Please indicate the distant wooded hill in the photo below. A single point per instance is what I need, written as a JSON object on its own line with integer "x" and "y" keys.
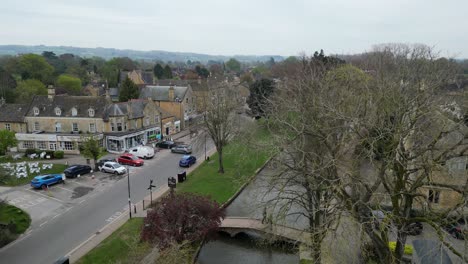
{"x": 153, "y": 55}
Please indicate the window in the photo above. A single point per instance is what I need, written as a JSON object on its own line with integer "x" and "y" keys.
{"x": 186, "y": 100}
{"x": 36, "y": 126}
{"x": 69, "y": 145}
{"x": 92, "y": 127}
{"x": 58, "y": 127}
{"x": 36, "y": 111}
{"x": 28, "y": 144}
{"x": 156, "y": 119}
{"x": 8, "y": 127}
{"x": 75, "y": 127}
{"x": 147, "y": 121}
{"x": 52, "y": 145}
{"x": 91, "y": 112}
{"x": 433, "y": 196}
{"x": 74, "y": 111}
{"x": 58, "y": 111}
{"x": 112, "y": 127}
{"x": 119, "y": 126}
{"x": 41, "y": 145}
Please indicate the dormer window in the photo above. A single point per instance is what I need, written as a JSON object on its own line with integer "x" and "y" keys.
{"x": 74, "y": 111}
{"x": 58, "y": 111}
{"x": 91, "y": 112}
{"x": 36, "y": 111}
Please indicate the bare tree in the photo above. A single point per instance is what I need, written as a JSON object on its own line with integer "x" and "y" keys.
{"x": 218, "y": 117}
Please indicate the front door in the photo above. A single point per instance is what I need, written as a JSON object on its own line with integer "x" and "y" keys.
{"x": 167, "y": 131}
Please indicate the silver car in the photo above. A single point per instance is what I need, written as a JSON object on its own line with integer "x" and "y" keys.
{"x": 184, "y": 149}
{"x": 113, "y": 167}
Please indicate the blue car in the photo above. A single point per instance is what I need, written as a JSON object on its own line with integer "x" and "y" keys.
{"x": 46, "y": 180}
{"x": 187, "y": 161}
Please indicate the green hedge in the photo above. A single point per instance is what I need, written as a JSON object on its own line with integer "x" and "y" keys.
{"x": 58, "y": 154}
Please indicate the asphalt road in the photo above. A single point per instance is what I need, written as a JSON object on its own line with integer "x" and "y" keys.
{"x": 63, "y": 233}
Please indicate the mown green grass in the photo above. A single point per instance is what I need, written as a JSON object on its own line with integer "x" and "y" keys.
{"x": 10, "y": 213}
{"x": 11, "y": 180}
{"x": 123, "y": 246}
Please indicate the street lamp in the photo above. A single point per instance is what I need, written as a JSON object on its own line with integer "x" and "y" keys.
{"x": 150, "y": 188}
{"x": 129, "y": 200}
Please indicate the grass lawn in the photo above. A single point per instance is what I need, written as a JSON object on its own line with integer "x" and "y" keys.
{"x": 240, "y": 163}
{"x": 8, "y": 214}
{"x": 122, "y": 246}
{"x": 11, "y": 180}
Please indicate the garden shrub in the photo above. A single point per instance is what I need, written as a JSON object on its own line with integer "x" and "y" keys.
{"x": 58, "y": 154}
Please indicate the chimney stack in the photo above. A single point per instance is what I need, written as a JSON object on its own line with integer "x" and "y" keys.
{"x": 171, "y": 93}
{"x": 50, "y": 92}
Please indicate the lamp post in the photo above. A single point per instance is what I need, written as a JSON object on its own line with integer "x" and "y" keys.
{"x": 129, "y": 200}
{"x": 150, "y": 188}
{"x": 204, "y": 119}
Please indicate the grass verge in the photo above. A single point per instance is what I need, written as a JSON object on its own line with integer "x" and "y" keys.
{"x": 11, "y": 180}
{"x": 123, "y": 246}
{"x": 11, "y": 214}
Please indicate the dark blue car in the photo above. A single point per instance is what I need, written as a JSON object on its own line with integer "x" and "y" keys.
{"x": 46, "y": 180}
{"x": 187, "y": 161}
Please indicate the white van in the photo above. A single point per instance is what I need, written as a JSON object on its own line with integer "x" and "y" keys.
{"x": 143, "y": 152}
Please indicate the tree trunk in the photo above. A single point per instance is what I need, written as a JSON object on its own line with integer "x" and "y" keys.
{"x": 220, "y": 159}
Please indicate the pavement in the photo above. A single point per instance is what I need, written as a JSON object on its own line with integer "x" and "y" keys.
{"x": 72, "y": 213}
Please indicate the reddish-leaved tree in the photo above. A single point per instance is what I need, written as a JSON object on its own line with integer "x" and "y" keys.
{"x": 181, "y": 217}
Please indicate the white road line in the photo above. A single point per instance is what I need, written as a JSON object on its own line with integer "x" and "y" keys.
{"x": 46, "y": 196}
{"x": 55, "y": 216}
{"x": 43, "y": 223}
{"x": 81, "y": 201}
{"x": 64, "y": 188}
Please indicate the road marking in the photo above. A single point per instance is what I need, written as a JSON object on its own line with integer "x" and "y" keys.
{"x": 55, "y": 216}
{"x": 43, "y": 223}
{"x": 81, "y": 201}
{"x": 113, "y": 217}
{"x": 46, "y": 196}
{"x": 64, "y": 189}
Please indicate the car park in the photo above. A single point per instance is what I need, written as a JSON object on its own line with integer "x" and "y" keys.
{"x": 113, "y": 167}
{"x": 187, "y": 161}
{"x": 101, "y": 162}
{"x": 42, "y": 181}
{"x": 184, "y": 149}
{"x": 130, "y": 159}
{"x": 143, "y": 152}
{"x": 77, "y": 170}
{"x": 165, "y": 144}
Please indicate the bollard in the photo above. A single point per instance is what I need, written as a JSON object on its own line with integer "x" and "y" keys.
{"x": 134, "y": 208}
{"x": 143, "y": 205}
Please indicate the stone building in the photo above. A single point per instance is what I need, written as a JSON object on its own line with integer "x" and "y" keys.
{"x": 12, "y": 116}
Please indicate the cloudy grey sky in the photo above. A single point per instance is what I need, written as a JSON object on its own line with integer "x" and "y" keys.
{"x": 230, "y": 27}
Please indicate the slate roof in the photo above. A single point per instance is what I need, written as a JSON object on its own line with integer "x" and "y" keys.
{"x": 161, "y": 93}
{"x": 47, "y": 106}
{"x": 170, "y": 82}
{"x": 13, "y": 112}
{"x": 134, "y": 109}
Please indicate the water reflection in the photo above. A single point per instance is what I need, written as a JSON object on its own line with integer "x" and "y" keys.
{"x": 245, "y": 249}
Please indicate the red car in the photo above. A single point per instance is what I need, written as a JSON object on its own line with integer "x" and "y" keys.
{"x": 129, "y": 159}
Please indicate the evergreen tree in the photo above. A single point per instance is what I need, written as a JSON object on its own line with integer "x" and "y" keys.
{"x": 158, "y": 71}
{"x": 129, "y": 90}
{"x": 168, "y": 72}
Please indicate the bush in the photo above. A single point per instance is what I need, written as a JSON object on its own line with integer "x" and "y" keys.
{"x": 29, "y": 152}
{"x": 58, "y": 154}
{"x": 408, "y": 248}
{"x": 50, "y": 153}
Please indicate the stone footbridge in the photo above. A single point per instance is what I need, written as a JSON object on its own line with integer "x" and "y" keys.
{"x": 236, "y": 225}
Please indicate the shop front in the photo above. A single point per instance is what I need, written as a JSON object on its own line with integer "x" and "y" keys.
{"x": 120, "y": 142}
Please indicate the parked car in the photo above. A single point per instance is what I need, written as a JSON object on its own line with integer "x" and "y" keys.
{"x": 458, "y": 230}
{"x": 184, "y": 149}
{"x": 187, "y": 161}
{"x": 414, "y": 229}
{"x": 113, "y": 167}
{"x": 143, "y": 152}
{"x": 77, "y": 170}
{"x": 165, "y": 144}
{"x": 130, "y": 159}
{"x": 104, "y": 160}
{"x": 46, "y": 180}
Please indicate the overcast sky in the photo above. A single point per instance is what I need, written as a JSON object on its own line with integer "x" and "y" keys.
{"x": 228, "y": 27}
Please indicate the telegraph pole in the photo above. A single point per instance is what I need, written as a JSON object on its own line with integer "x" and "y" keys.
{"x": 129, "y": 200}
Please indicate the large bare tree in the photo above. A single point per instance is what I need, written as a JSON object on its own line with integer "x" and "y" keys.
{"x": 218, "y": 116}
